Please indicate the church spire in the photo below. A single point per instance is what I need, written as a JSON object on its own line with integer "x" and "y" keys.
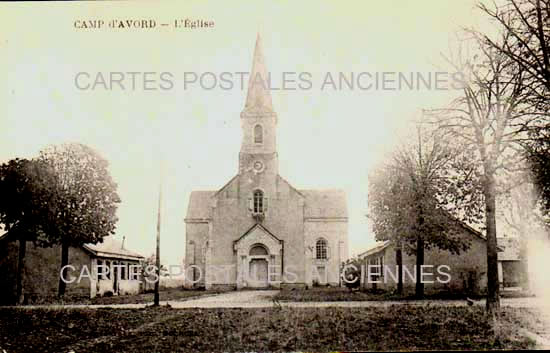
{"x": 259, "y": 122}
{"x": 258, "y": 97}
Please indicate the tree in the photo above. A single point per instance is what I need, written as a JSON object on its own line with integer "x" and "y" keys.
{"x": 538, "y": 156}
{"x": 408, "y": 199}
{"x": 525, "y": 40}
{"x": 84, "y": 199}
{"x": 24, "y": 205}
{"x": 492, "y": 120}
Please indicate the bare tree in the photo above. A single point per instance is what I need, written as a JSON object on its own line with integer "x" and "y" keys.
{"x": 490, "y": 119}
{"x": 525, "y": 39}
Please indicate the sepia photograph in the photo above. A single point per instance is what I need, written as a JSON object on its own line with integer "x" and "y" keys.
{"x": 274, "y": 176}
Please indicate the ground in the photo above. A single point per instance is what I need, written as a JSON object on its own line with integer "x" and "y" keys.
{"x": 262, "y": 329}
{"x": 165, "y": 294}
{"x": 257, "y": 321}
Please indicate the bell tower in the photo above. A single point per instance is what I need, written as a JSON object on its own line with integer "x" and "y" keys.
{"x": 259, "y": 121}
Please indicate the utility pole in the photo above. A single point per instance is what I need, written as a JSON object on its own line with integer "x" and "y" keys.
{"x": 157, "y": 294}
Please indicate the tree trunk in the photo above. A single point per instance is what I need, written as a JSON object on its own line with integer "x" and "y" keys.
{"x": 399, "y": 261}
{"x": 419, "y": 288}
{"x": 493, "y": 299}
{"x": 63, "y": 271}
{"x": 20, "y": 268}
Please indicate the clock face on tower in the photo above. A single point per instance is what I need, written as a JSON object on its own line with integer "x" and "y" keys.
{"x": 258, "y": 166}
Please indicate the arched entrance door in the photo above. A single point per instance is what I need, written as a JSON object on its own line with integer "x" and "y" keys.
{"x": 258, "y": 267}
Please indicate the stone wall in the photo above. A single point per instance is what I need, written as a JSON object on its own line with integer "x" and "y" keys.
{"x": 231, "y": 219}
{"x": 195, "y": 251}
{"x": 335, "y": 233}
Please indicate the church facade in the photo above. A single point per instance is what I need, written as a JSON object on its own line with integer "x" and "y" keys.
{"x": 258, "y": 231}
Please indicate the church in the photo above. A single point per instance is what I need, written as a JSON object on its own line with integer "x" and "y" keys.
{"x": 258, "y": 231}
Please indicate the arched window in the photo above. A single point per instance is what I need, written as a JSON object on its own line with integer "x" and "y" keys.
{"x": 321, "y": 251}
{"x": 258, "y": 201}
{"x": 258, "y": 134}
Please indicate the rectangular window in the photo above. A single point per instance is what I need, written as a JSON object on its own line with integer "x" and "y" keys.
{"x": 258, "y": 201}
{"x": 100, "y": 270}
{"x": 375, "y": 271}
{"x": 321, "y": 249}
{"x": 134, "y": 272}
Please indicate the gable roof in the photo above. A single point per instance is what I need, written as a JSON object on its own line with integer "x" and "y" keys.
{"x": 199, "y": 205}
{"x": 290, "y": 186}
{"x": 329, "y": 203}
{"x": 375, "y": 249}
{"x": 226, "y": 185}
{"x": 257, "y": 225}
{"x": 382, "y": 245}
{"x": 111, "y": 247}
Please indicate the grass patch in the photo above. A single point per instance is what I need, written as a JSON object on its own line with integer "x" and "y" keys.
{"x": 397, "y": 327}
{"x": 142, "y": 298}
{"x": 320, "y": 294}
{"x": 333, "y": 294}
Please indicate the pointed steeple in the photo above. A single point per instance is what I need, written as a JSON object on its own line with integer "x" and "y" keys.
{"x": 258, "y": 97}
{"x": 258, "y": 153}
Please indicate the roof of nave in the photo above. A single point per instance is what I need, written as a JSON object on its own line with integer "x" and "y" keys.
{"x": 329, "y": 203}
{"x": 199, "y": 204}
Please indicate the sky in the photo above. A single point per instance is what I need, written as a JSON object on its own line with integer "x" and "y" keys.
{"x": 327, "y": 138}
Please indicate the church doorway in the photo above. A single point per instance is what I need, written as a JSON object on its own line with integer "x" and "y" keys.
{"x": 258, "y": 267}
{"x": 258, "y": 273}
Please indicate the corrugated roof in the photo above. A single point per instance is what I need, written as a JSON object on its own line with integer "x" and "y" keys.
{"x": 111, "y": 247}
{"x": 199, "y": 205}
{"x": 325, "y": 203}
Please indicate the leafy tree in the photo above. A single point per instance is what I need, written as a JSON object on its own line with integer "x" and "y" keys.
{"x": 409, "y": 195}
{"x": 24, "y": 205}
{"x": 84, "y": 202}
